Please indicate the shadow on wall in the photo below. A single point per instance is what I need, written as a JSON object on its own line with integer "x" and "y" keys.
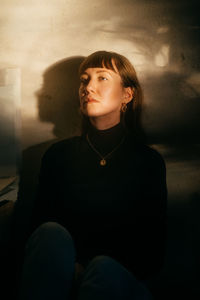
{"x": 171, "y": 110}
{"x": 58, "y": 103}
{"x": 58, "y": 100}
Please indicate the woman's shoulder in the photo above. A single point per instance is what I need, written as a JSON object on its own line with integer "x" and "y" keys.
{"x": 149, "y": 154}
{"x": 153, "y": 159}
{"x": 62, "y": 147}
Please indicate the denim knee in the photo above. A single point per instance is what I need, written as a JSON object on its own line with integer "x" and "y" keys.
{"x": 106, "y": 278}
{"x": 48, "y": 268}
{"x": 106, "y": 264}
{"x": 50, "y": 235}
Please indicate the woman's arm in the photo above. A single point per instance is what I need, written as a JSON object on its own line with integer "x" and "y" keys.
{"x": 46, "y": 194}
{"x": 155, "y": 226}
{"x": 147, "y": 234}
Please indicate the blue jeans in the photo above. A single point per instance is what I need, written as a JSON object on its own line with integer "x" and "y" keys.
{"x": 49, "y": 271}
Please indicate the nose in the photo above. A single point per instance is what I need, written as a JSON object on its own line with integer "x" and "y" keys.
{"x": 89, "y": 86}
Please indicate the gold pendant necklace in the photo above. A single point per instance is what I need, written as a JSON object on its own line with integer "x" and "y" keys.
{"x": 103, "y": 161}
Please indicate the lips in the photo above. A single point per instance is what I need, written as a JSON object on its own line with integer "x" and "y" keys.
{"x": 90, "y": 100}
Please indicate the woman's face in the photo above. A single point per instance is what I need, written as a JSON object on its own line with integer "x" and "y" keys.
{"x": 101, "y": 93}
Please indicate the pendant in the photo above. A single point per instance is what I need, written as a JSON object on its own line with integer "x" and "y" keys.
{"x": 103, "y": 162}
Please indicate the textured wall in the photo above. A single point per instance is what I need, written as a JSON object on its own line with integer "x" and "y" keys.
{"x": 9, "y": 120}
{"x": 47, "y": 40}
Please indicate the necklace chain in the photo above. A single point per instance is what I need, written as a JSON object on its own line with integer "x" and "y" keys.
{"x": 103, "y": 160}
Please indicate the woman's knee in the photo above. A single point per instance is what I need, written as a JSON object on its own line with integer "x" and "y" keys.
{"x": 104, "y": 261}
{"x": 106, "y": 265}
{"x": 52, "y": 229}
{"x": 49, "y": 234}
{"x": 112, "y": 276}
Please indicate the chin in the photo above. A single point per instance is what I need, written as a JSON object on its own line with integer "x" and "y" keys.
{"x": 91, "y": 113}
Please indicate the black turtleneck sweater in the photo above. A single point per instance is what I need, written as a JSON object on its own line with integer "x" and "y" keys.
{"x": 118, "y": 209}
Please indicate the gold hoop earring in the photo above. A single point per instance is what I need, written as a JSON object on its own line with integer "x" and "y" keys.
{"x": 124, "y": 107}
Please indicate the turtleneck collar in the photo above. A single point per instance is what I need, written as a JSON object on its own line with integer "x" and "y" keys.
{"x": 105, "y": 140}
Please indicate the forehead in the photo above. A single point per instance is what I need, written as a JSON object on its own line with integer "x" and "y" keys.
{"x": 91, "y": 71}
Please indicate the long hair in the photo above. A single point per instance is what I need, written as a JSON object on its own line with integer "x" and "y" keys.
{"x": 132, "y": 117}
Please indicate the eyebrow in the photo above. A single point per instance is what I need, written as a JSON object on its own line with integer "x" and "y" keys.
{"x": 104, "y": 70}
{"x": 100, "y": 71}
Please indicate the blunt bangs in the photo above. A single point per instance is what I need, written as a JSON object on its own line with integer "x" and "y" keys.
{"x": 99, "y": 59}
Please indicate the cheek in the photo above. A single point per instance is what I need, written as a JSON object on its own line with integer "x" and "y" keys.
{"x": 115, "y": 95}
{"x": 110, "y": 91}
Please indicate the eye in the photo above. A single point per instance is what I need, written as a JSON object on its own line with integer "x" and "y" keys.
{"x": 83, "y": 80}
{"x": 103, "y": 78}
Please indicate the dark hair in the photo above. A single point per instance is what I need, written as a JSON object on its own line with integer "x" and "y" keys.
{"x": 132, "y": 117}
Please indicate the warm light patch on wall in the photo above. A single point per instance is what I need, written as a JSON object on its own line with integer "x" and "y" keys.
{"x": 163, "y": 29}
{"x": 162, "y": 57}
{"x": 194, "y": 82}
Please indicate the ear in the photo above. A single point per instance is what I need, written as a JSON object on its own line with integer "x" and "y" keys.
{"x": 128, "y": 94}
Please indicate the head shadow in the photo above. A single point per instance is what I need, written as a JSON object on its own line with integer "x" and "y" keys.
{"x": 58, "y": 99}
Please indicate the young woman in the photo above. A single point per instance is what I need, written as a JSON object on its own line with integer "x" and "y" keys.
{"x": 99, "y": 224}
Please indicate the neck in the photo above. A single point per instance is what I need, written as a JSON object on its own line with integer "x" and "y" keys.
{"x": 105, "y": 140}
{"x": 102, "y": 123}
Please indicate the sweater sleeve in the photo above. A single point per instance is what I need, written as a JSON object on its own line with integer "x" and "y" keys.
{"x": 156, "y": 192}
{"x": 44, "y": 208}
{"x": 152, "y": 234}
